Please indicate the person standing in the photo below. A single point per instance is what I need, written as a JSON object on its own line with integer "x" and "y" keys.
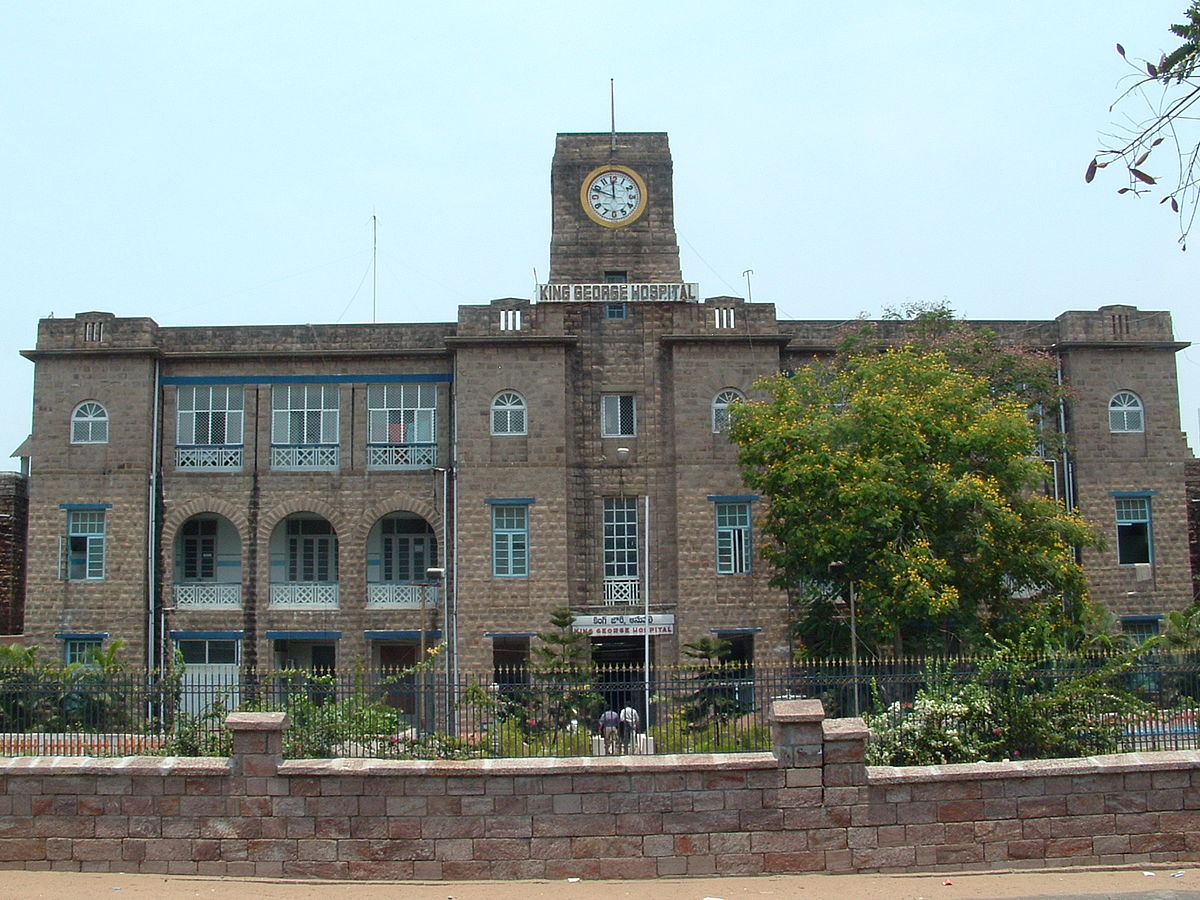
{"x": 630, "y": 724}
{"x": 609, "y": 724}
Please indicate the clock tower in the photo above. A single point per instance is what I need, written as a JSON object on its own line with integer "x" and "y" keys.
{"x": 613, "y": 210}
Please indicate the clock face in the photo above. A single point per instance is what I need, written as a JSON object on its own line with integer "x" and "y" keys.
{"x": 613, "y": 196}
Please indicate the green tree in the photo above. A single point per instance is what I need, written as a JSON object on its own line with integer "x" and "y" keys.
{"x": 713, "y": 700}
{"x": 1168, "y": 89}
{"x": 1182, "y": 632}
{"x": 567, "y": 699}
{"x": 919, "y": 477}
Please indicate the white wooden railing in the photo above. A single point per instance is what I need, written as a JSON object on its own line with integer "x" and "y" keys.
{"x": 209, "y": 458}
{"x": 393, "y": 595}
{"x": 207, "y": 595}
{"x": 618, "y": 591}
{"x": 304, "y": 595}
{"x": 401, "y": 456}
{"x": 304, "y": 456}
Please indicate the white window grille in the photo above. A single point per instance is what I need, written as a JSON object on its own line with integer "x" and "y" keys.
{"x": 618, "y": 415}
{"x": 508, "y": 414}
{"x": 620, "y": 539}
{"x": 209, "y": 434}
{"x": 720, "y": 409}
{"x": 89, "y": 423}
{"x": 724, "y": 317}
{"x": 401, "y": 426}
{"x": 304, "y": 426}
{"x": 510, "y": 320}
{"x": 1125, "y": 413}
{"x": 93, "y": 331}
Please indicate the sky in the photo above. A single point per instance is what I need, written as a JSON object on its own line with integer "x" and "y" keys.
{"x": 234, "y": 163}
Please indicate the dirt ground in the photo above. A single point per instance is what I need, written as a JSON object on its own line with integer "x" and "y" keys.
{"x": 1146, "y": 884}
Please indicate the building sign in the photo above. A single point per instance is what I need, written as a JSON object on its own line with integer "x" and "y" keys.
{"x": 635, "y": 625}
{"x": 617, "y": 293}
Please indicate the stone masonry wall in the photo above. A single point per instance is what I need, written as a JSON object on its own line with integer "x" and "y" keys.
{"x": 14, "y": 519}
{"x": 809, "y": 806}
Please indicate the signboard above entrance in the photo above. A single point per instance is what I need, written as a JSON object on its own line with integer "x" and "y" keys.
{"x": 604, "y": 292}
{"x": 627, "y": 625}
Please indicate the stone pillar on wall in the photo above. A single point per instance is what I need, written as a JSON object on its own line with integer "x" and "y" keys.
{"x": 821, "y": 752}
{"x": 845, "y": 752}
{"x": 257, "y": 743}
{"x": 797, "y": 739}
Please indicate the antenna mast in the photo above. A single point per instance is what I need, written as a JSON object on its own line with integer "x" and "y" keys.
{"x": 612, "y": 112}
{"x": 374, "y": 262}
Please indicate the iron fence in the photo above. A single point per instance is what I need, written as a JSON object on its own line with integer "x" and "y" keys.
{"x": 78, "y": 710}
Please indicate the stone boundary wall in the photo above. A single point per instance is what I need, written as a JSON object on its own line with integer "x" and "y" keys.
{"x": 809, "y": 806}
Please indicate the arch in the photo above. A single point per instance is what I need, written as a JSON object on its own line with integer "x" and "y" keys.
{"x": 401, "y": 547}
{"x": 303, "y": 549}
{"x": 720, "y": 408}
{"x": 1125, "y": 413}
{"x": 89, "y": 423}
{"x": 269, "y": 519}
{"x": 401, "y": 503}
{"x": 207, "y": 557}
{"x": 509, "y": 414}
{"x": 175, "y": 516}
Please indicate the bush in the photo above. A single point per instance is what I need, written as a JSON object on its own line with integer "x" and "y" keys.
{"x": 1015, "y": 706}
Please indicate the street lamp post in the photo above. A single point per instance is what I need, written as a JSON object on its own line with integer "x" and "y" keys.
{"x": 837, "y": 571}
{"x": 432, "y": 574}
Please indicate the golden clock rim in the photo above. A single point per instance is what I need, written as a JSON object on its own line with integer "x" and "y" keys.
{"x": 596, "y": 173}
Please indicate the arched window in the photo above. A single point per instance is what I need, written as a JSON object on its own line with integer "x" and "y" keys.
{"x": 89, "y": 424}
{"x": 508, "y": 414}
{"x": 1125, "y": 413}
{"x": 720, "y": 409}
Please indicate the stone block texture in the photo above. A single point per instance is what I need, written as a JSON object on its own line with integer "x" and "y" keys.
{"x": 803, "y": 808}
{"x": 296, "y": 557}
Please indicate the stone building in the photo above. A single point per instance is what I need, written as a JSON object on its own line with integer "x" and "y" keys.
{"x": 14, "y": 519}
{"x": 319, "y": 495}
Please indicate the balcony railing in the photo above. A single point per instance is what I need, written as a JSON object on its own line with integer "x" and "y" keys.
{"x": 209, "y": 458}
{"x": 401, "y": 456}
{"x": 304, "y": 595}
{"x": 207, "y": 595}
{"x": 302, "y": 457}
{"x": 619, "y": 591}
{"x": 394, "y": 595}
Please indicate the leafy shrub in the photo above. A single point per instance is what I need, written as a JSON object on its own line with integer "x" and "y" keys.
{"x": 1015, "y": 706}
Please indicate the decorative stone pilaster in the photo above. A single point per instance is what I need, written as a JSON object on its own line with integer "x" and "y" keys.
{"x": 797, "y": 738}
{"x": 845, "y": 752}
{"x": 257, "y": 743}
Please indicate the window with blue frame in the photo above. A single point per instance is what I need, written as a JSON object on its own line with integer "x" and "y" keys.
{"x": 83, "y": 548}
{"x": 81, "y": 648}
{"x": 733, "y": 537}
{"x": 1135, "y": 541}
{"x": 510, "y": 540}
{"x": 209, "y": 431}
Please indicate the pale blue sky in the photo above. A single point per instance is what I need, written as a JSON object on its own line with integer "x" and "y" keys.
{"x": 220, "y": 163}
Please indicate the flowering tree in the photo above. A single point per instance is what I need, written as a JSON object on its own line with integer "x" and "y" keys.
{"x": 919, "y": 478}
